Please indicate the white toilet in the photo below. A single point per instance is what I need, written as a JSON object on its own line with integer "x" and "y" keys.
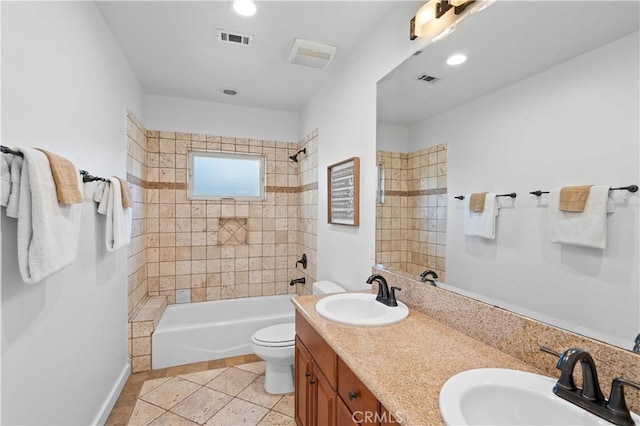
{"x": 275, "y": 345}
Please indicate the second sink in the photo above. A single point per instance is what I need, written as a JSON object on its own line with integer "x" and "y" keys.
{"x": 360, "y": 309}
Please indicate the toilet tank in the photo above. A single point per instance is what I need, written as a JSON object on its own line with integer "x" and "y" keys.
{"x": 326, "y": 287}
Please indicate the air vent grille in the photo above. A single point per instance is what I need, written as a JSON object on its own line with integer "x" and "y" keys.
{"x": 428, "y": 78}
{"x": 225, "y": 36}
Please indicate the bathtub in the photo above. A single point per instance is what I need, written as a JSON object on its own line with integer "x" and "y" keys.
{"x": 204, "y": 331}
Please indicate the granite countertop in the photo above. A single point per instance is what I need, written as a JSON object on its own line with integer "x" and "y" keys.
{"x": 406, "y": 364}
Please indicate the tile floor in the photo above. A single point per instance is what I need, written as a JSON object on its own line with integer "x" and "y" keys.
{"x": 228, "y": 393}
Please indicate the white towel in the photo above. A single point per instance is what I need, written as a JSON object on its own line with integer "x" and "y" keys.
{"x": 587, "y": 228}
{"x": 101, "y": 196}
{"x": 16, "y": 177}
{"x": 119, "y": 219}
{"x": 48, "y": 232}
{"x": 481, "y": 224}
{"x": 5, "y": 177}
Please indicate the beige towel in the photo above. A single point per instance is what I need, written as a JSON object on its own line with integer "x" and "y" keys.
{"x": 574, "y": 198}
{"x": 65, "y": 177}
{"x": 476, "y": 202}
{"x": 127, "y": 197}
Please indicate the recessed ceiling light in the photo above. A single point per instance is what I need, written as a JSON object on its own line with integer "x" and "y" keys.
{"x": 244, "y": 7}
{"x": 229, "y": 91}
{"x": 456, "y": 59}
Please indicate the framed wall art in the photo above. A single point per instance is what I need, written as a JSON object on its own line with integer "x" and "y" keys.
{"x": 343, "y": 183}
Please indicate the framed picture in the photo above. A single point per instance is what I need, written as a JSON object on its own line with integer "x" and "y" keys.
{"x": 343, "y": 183}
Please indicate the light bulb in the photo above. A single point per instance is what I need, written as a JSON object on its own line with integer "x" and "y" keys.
{"x": 244, "y": 7}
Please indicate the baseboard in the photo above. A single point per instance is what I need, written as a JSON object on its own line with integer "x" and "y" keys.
{"x": 106, "y": 408}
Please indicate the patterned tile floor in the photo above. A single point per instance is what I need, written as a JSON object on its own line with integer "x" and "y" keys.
{"x": 225, "y": 392}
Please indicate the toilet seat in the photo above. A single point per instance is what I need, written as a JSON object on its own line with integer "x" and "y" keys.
{"x": 279, "y": 335}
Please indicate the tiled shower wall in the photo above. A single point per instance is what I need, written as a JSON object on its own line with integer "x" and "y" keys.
{"x": 411, "y": 224}
{"x": 209, "y": 250}
{"x": 137, "y": 250}
{"x": 308, "y": 210}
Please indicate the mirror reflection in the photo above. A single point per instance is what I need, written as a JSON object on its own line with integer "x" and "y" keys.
{"x": 522, "y": 96}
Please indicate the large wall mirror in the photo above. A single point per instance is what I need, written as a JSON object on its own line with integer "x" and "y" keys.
{"x": 548, "y": 97}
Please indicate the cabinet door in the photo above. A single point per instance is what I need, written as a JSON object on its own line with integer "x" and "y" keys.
{"x": 344, "y": 417}
{"x": 324, "y": 411}
{"x": 303, "y": 391}
{"x": 386, "y": 418}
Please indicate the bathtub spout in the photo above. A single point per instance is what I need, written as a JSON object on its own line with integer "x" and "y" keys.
{"x": 298, "y": 281}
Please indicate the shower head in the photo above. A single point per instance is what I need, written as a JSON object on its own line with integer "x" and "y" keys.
{"x": 294, "y": 157}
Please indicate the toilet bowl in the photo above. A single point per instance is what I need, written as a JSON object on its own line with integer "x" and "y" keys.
{"x": 276, "y": 346}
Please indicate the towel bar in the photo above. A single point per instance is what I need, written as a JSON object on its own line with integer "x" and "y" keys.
{"x": 86, "y": 177}
{"x": 7, "y": 150}
{"x": 630, "y": 188}
{"x": 512, "y": 195}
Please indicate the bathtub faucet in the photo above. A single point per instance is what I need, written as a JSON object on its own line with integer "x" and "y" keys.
{"x": 298, "y": 281}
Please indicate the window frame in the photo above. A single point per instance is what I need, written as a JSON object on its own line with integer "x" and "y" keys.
{"x": 223, "y": 154}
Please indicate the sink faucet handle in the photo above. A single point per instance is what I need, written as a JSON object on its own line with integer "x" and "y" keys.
{"x": 617, "y": 403}
{"x": 392, "y": 296}
{"x": 550, "y": 351}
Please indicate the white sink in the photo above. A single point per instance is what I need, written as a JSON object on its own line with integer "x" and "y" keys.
{"x": 360, "y": 309}
{"x": 496, "y": 396}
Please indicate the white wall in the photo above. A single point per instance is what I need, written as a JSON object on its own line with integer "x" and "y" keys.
{"x": 194, "y": 116}
{"x": 344, "y": 112}
{"x": 576, "y": 123}
{"x": 392, "y": 138}
{"x": 66, "y": 86}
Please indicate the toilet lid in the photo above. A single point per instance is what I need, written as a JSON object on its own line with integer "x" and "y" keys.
{"x": 276, "y": 335}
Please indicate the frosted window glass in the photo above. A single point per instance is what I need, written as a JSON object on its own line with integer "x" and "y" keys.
{"x": 219, "y": 175}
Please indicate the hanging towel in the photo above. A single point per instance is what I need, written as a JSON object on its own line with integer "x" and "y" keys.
{"x": 476, "y": 202}
{"x": 102, "y": 197}
{"x": 481, "y": 224}
{"x": 574, "y": 198}
{"x": 5, "y": 175}
{"x": 586, "y": 229}
{"x": 127, "y": 197}
{"x": 16, "y": 177}
{"x": 48, "y": 232}
{"x": 119, "y": 219}
{"x": 65, "y": 177}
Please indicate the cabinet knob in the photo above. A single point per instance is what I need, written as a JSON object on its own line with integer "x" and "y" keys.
{"x": 307, "y": 374}
{"x": 353, "y": 395}
{"x": 312, "y": 382}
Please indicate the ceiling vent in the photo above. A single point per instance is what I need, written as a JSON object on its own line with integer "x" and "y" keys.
{"x": 225, "y": 36}
{"x": 311, "y": 53}
{"x": 428, "y": 78}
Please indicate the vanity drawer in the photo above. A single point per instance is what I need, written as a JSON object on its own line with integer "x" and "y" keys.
{"x": 320, "y": 351}
{"x": 354, "y": 393}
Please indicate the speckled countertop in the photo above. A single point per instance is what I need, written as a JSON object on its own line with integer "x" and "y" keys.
{"x": 406, "y": 364}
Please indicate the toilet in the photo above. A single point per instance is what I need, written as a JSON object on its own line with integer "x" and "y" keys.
{"x": 275, "y": 345}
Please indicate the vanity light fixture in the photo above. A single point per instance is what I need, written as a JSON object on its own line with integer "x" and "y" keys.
{"x": 436, "y": 17}
{"x": 457, "y": 59}
{"x": 244, "y": 7}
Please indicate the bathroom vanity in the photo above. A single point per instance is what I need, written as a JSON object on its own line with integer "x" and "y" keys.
{"x": 347, "y": 375}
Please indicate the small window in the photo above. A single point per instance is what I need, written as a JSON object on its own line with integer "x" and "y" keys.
{"x": 217, "y": 175}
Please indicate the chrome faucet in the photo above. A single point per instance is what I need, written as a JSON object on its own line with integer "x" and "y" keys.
{"x": 590, "y": 397}
{"x": 385, "y": 296}
{"x": 425, "y": 274}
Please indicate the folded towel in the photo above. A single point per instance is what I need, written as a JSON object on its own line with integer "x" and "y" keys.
{"x": 65, "y": 177}
{"x": 127, "y": 196}
{"x": 5, "y": 176}
{"x": 476, "y": 201}
{"x": 48, "y": 232}
{"x": 102, "y": 196}
{"x": 586, "y": 229}
{"x": 119, "y": 219}
{"x": 574, "y": 198}
{"x": 16, "y": 177}
{"x": 482, "y": 224}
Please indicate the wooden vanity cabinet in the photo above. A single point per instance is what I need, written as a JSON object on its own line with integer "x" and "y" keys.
{"x": 327, "y": 392}
{"x": 315, "y": 377}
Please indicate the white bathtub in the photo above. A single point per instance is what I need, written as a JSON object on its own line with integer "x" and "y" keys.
{"x": 204, "y": 331}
